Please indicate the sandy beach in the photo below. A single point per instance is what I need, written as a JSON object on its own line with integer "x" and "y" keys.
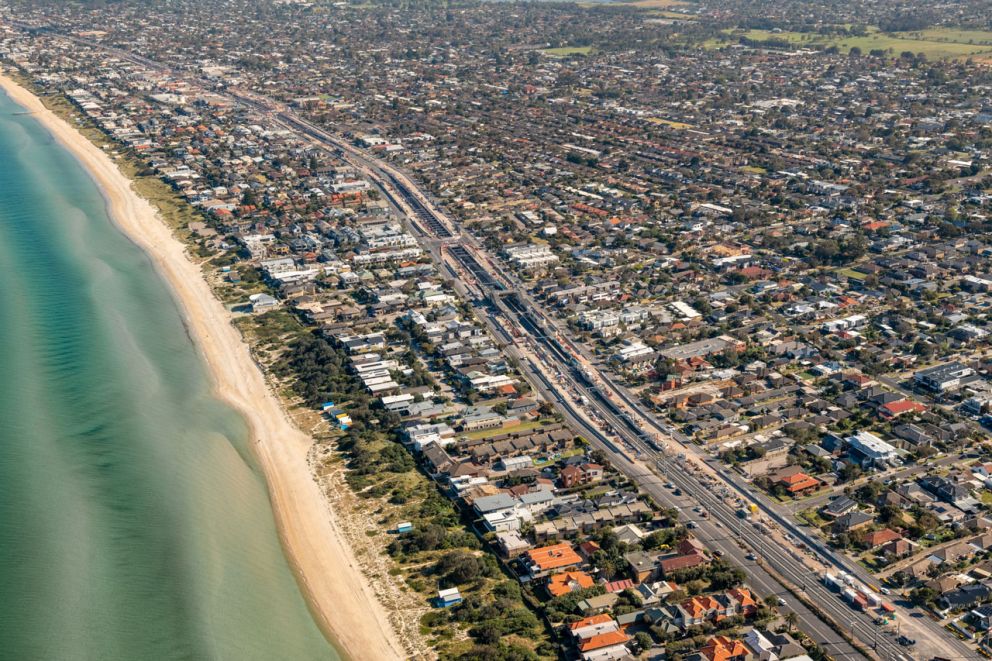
{"x": 341, "y": 598}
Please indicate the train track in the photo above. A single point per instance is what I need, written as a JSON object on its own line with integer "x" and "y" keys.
{"x": 635, "y": 437}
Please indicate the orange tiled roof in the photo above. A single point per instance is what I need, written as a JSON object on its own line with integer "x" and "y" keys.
{"x": 555, "y": 556}
{"x": 698, "y": 606}
{"x": 603, "y": 640}
{"x": 561, "y": 584}
{"x": 743, "y": 597}
{"x": 603, "y": 618}
{"x": 721, "y": 648}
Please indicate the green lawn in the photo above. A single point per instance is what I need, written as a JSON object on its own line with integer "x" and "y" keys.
{"x": 562, "y": 455}
{"x": 812, "y": 517}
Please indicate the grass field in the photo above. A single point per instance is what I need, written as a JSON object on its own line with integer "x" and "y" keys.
{"x": 516, "y": 429}
{"x": 655, "y": 4}
{"x": 851, "y": 273}
{"x": 654, "y": 7}
{"x": 661, "y": 13}
{"x": 938, "y": 43}
{"x": 567, "y": 51}
{"x": 669, "y": 123}
{"x": 983, "y": 37}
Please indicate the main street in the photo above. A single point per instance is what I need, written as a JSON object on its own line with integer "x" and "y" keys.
{"x": 483, "y": 277}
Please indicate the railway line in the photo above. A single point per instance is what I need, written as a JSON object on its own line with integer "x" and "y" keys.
{"x": 781, "y": 560}
{"x": 403, "y": 194}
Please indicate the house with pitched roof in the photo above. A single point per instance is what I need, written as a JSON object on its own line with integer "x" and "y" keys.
{"x": 799, "y": 484}
{"x": 569, "y": 581}
{"x": 599, "y": 638}
{"x": 543, "y": 561}
{"x": 880, "y": 537}
{"x": 724, "y": 648}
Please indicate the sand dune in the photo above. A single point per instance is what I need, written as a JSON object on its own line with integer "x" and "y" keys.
{"x": 341, "y": 598}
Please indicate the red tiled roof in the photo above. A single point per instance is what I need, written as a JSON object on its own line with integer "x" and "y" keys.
{"x": 682, "y": 562}
{"x": 799, "y": 482}
{"x": 619, "y": 586}
{"x": 883, "y": 536}
{"x": 897, "y": 408}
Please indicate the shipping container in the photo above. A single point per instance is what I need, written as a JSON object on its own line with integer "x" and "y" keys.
{"x": 832, "y": 581}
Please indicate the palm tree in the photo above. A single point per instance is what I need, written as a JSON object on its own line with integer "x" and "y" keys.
{"x": 792, "y": 620}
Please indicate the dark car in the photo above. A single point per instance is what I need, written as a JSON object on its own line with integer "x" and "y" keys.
{"x": 906, "y": 641}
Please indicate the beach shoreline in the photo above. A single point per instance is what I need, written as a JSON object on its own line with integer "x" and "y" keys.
{"x": 340, "y": 597}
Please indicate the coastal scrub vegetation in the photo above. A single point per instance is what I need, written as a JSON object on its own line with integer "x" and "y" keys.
{"x": 494, "y": 621}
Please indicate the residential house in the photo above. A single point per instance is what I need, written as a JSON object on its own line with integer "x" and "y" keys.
{"x": 599, "y": 637}
{"x": 852, "y": 521}
{"x": 568, "y": 581}
{"x": 541, "y": 562}
{"x": 723, "y": 648}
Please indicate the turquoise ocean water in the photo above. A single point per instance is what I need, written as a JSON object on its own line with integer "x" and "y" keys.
{"x": 134, "y": 523}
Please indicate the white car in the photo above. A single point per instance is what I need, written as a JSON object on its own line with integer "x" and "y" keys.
{"x": 782, "y": 601}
